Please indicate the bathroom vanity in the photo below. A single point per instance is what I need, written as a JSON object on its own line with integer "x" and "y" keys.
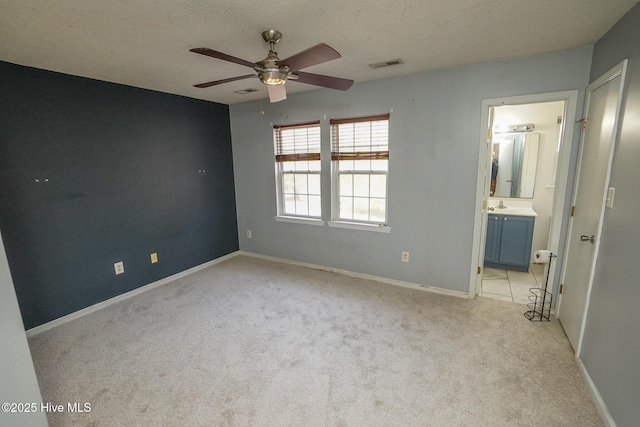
{"x": 509, "y": 238}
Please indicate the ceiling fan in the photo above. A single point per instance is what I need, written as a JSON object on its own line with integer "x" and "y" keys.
{"x": 274, "y": 72}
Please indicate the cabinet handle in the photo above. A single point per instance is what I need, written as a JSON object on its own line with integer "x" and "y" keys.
{"x": 505, "y": 219}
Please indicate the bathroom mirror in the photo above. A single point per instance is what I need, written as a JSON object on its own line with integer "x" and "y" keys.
{"x": 513, "y": 165}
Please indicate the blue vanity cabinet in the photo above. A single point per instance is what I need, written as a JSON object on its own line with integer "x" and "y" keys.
{"x": 492, "y": 247}
{"x": 508, "y": 243}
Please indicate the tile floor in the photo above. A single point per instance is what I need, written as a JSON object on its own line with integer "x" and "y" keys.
{"x": 509, "y": 285}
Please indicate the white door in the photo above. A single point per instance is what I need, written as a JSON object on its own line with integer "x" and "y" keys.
{"x": 602, "y": 107}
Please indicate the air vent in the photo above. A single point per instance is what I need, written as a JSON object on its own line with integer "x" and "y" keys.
{"x": 387, "y": 63}
{"x": 245, "y": 91}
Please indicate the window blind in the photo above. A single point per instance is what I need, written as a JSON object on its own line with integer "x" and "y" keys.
{"x": 297, "y": 142}
{"x": 360, "y": 138}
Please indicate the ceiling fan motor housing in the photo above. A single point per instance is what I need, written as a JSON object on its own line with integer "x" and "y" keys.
{"x": 268, "y": 70}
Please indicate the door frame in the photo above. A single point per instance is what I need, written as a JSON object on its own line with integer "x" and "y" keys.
{"x": 619, "y": 70}
{"x": 560, "y": 195}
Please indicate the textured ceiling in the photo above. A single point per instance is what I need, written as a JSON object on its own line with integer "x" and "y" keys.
{"x": 145, "y": 43}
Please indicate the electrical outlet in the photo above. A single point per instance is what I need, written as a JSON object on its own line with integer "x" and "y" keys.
{"x": 405, "y": 256}
{"x": 248, "y": 234}
{"x": 154, "y": 258}
{"x": 119, "y": 267}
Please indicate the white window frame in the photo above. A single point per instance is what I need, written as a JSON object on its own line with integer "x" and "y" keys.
{"x": 280, "y": 171}
{"x": 337, "y": 221}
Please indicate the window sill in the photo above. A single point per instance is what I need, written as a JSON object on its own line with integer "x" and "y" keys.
{"x": 360, "y": 226}
{"x": 300, "y": 220}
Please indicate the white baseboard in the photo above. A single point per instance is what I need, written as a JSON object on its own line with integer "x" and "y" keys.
{"x": 394, "y": 282}
{"x": 80, "y": 313}
{"x": 595, "y": 394}
{"x": 77, "y": 314}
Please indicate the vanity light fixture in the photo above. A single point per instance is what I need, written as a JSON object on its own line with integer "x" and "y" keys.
{"x": 526, "y": 127}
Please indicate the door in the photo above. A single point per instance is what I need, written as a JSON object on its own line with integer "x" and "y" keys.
{"x": 562, "y": 165}
{"x": 602, "y": 107}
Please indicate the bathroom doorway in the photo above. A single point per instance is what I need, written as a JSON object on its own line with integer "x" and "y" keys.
{"x": 524, "y": 146}
{"x": 523, "y": 168}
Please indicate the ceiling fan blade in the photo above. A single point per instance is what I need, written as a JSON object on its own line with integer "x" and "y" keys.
{"x": 313, "y": 56}
{"x": 219, "y": 82}
{"x": 324, "y": 81}
{"x": 219, "y": 55}
{"x": 277, "y": 93}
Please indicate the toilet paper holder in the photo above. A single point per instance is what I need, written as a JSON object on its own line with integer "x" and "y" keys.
{"x": 542, "y": 256}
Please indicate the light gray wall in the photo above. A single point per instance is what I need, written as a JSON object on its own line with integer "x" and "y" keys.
{"x": 434, "y": 145}
{"x": 611, "y": 344}
{"x": 18, "y": 383}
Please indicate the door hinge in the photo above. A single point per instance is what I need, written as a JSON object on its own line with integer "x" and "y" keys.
{"x": 585, "y": 123}
{"x": 573, "y": 210}
{"x": 489, "y": 133}
{"x": 479, "y": 269}
{"x": 484, "y": 204}
{"x": 561, "y": 289}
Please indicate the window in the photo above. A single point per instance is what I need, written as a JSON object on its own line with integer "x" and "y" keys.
{"x": 297, "y": 151}
{"x": 360, "y": 165}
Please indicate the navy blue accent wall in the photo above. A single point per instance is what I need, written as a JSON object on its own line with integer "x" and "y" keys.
{"x": 92, "y": 173}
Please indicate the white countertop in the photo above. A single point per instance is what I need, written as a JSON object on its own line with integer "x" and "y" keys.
{"x": 512, "y": 211}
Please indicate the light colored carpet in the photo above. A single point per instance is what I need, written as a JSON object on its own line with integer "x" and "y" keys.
{"x": 250, "y": 342}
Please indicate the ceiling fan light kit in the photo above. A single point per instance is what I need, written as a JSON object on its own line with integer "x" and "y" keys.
{"x": 273, "y": 77}
{"x": 274, "y": 72}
